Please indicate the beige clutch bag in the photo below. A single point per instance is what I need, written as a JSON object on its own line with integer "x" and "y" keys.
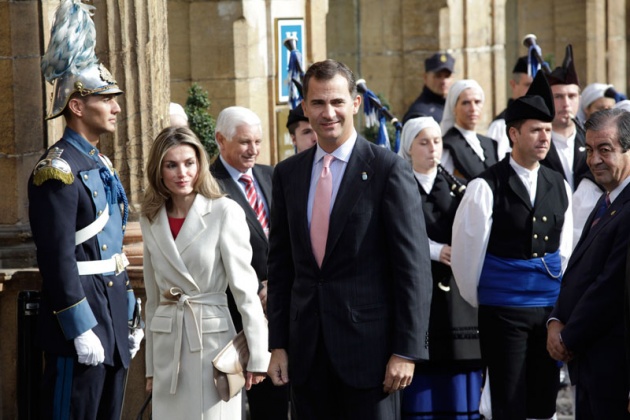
{"x": 229, "y": 367}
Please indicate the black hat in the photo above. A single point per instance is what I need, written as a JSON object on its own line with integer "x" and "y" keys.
{"x": 537, "y": 104}
{"x": 296, "y": 115}
{"x": 521, "y": 65}
{"x": 566, "y": 74}
{"x": 439, "y": 61}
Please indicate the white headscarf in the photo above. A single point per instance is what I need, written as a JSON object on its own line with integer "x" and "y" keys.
{"x": 448, "y": 119}
{"x": 409, "y": 132}
{"x": 590, "y": 94}
{"x": 625, "y": 105}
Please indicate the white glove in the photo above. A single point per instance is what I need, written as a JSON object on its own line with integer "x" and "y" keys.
{"x": 134, "y": 341}
{"x": 89, "y": 348}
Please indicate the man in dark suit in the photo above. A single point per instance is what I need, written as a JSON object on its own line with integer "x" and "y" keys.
{"x": 239, "y": 136}
{"x": 586, "y": 327}
{"x": 349, "y": 266}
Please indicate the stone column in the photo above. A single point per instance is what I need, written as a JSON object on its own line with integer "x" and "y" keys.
{"x": 22, "y": 128}
{"x": 132, "y": 41}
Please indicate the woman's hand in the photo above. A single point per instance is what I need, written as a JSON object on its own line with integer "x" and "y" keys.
{"x": 254, "y": 378}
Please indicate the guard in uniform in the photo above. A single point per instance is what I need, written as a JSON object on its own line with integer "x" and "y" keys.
{"x": 78, "y": 210}
{"x": 512, "y": 236}
{"x": 438, "y": 77}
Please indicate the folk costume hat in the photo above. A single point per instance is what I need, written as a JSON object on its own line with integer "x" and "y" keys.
{"x": 565, "y": 74}
{"x": 70, "y": 63}
{"x": 537, "y": 104}
{"x": 296, "y": 115}
{"x": 521, "y": 65}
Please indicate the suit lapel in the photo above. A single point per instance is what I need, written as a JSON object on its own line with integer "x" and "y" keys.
{"x": 164, "y": 241}
{"x": 352, "y": 186}
{"x": 517, "y": 186}
{"x": 264, "y": 183}
{"x": 613, "y": 212}
{"x": 194, "y": 224}
{"x": 234, "y": 191}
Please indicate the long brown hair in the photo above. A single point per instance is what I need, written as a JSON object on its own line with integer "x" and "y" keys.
{"x": 156, "y": 194}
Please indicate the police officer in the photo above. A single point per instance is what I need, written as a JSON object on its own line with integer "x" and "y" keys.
{"x": 78, "y": 210}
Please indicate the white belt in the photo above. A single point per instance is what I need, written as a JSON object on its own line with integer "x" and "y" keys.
{"x": 115, "y": 264}
{"x": 93, "y": 228}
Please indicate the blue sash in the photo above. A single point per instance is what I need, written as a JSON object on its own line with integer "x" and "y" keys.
{"x": 523, "y": 283}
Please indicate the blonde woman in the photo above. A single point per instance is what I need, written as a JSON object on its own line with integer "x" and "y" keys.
{"x": 196, "y": 243}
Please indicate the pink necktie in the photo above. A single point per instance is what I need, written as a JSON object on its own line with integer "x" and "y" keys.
{"x": 256, "y": 204}
{"x": 321, "y": 211}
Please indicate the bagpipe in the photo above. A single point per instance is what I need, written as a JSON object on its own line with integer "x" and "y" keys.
{"x": 458, "y": 188}
{"x": 296, "y": 71}
{"x": 534, "y": 59}
{"x": 536, "y": 62}
{"x": 376, "y": 113}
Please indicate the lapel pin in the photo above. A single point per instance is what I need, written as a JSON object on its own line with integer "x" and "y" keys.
{"x": 582, "y": 149}
{"x": 364, "y": 176}
{"x": 612, "y": 213}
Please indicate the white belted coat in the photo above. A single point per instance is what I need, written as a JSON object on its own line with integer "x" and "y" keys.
{"x": 211, "y": 252}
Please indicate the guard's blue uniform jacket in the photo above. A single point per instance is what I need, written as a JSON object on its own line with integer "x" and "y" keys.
{"x": 68, "y": 190}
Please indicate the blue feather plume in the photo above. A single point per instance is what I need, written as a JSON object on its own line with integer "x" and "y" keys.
{"x": 72, "y": 41}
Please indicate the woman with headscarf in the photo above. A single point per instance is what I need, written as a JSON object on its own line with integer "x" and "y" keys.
{"x": 449, "y": 385}
{"x": 466, "y": 153}
{"x": 594, "y": 98}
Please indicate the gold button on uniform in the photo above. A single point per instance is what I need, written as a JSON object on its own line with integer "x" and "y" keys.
{"x": 110, "y": 284}
{"x": 104, "y": 247}
{"x": 85, "y": 176}
{"x": 100, "y": 212}
{"x": 534, "y": 218}
{"x": 92, "y": 152}
{"x": 535, "y": 236}
{"x": 95, "y": 193}
{"x": 544, "y": 218}
{"x": 546, "y": 238}
{"x": 534, "y": 255}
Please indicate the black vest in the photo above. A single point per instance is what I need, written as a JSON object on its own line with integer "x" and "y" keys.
{"x": 453, "y": 331}
{"x": 467, "y": 163}
{"x": 518, "y": 230}
{"x": 439, "y": 209}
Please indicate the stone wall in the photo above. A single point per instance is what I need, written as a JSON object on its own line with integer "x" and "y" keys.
{"x": 386, "y": 42}
{"x": 229, "y": 49}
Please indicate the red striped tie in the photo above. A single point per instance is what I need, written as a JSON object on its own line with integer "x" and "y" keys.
{"x": 256, "y": 204}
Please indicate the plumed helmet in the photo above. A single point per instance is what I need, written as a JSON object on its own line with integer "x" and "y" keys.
{"x": 70, "y": 63}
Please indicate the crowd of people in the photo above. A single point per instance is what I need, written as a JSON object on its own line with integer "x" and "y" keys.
{"x": 368, "y": 285}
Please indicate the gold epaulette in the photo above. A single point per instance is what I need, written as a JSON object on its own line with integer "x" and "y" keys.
{"x": 53, "y": 167}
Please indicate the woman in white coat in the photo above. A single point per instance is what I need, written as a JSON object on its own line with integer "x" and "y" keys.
{"x": 196, "y": 243}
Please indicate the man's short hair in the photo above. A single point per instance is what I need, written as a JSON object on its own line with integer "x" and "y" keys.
{"x": 326, "y": 70}
{"x": 233, "y": 117}
{"x": 615, "y": 117}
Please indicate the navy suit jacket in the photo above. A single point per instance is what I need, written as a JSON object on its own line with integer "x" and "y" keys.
{"x": 257, "y": 238}
{"x": 591, "y": 301}
{"x": 371, "y": 297}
